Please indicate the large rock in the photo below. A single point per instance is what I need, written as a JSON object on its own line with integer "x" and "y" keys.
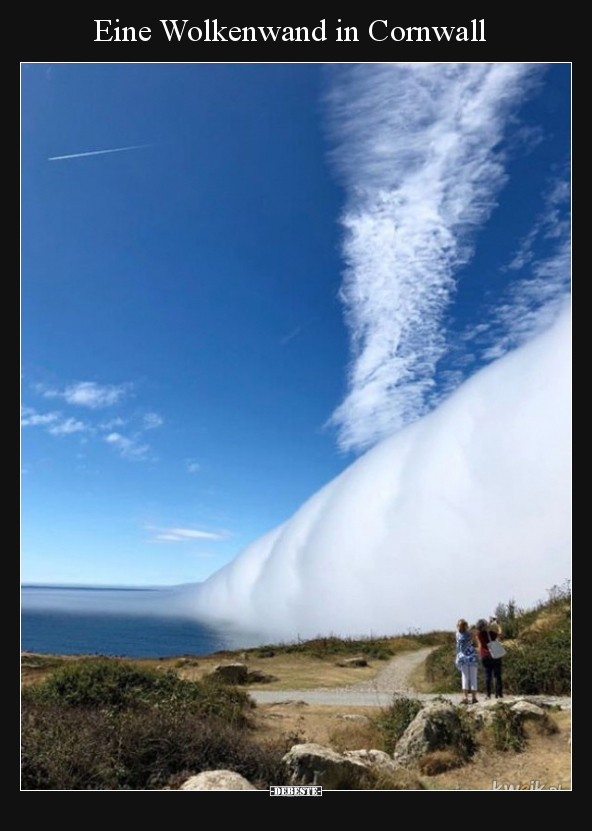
{"x": 313, "y": 764}
{"x": 528, "y": 710}
{"x": 484, "y": 713}
{"x": 353, "y": 662}
{"x": 438, "y": 725}
{"x": 376, "y": 759}
{"x": 217, "y": 780}
{"x": 231, "y": 673}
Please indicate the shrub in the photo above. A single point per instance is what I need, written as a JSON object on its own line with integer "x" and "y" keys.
{"x": 541, "y": 666}
{"x": 457, "y": 735}
{"x": 394, "y": 720}
{"x": 465, "y": 742}
{"x": 119, "y": 686}
{"x": 331, "y": 646}
{"x": 506, "y": 729}
{"x": 92, "y": 749}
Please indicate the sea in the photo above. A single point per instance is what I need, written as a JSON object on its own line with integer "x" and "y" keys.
{"x": 143, "y": 622}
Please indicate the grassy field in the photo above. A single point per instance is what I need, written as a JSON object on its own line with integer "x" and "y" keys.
{"x": 301, "y": 665}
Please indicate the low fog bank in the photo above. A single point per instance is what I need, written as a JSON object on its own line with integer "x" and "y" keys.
{"x": 467, "y": 507}
{"x": 156, "y": 600}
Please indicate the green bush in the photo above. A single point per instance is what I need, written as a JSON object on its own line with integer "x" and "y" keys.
{"x": 465, "y": 741}
{"x": 394, "y": 720}
{"x": 541, "y": 666}
{"x": 507, "y": 730}
{"x": 540, "y": 661}
{"x": 116, "y": 685}
{"x": 330, "y": 647}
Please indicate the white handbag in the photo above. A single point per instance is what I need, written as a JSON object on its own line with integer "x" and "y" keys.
{"x": 496, "y": 650}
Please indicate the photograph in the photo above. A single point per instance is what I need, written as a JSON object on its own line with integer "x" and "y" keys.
{"x": 295, "y": 413}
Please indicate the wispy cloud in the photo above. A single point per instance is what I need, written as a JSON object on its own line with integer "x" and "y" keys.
{"x": 54, "y": 423}
{"x": 152, "y": 421}
{"x": 417, "y": 146}
{"x": 129, "y": 447}
{"x": 554, "y": 223}
{"x": 183, "y": 534}
{"x": 112, "y": 423}
{"x": 88, "y": 394}
{"x": 69, "y": 425}
{"x": 531, "y": 304}
{"x": 30, "y": 418}
{"x": 93, "y": 396}
{"x": 192, "y": 466}
{"x": 98, "y": 152}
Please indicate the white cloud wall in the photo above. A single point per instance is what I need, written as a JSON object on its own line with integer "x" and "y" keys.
{"x": 466, "y": 507}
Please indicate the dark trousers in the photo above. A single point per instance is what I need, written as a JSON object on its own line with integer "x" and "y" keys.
{"x": 492, "y": 668}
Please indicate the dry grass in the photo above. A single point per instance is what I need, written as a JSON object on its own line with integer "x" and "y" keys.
{"x": 439, "y": 761}
{"x": 317, "y": 724}
{"x": 292, "y": 671}
{"x": 547, "y": 621}
{"x": 353, "y": 735}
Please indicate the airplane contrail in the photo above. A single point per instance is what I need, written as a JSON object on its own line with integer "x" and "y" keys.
{"x": 98, "y": 152}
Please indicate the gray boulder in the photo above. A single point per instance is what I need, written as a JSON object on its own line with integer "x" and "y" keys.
{"x": 313, "y": 764}
{"x": 437, "y": 726}
{"x": 375, "y": 759}
{"x": 528, "y": 710}
{"x": 484, "y": 713}
{"x": 217, "y": 780}
{"x": 353, "y": 662}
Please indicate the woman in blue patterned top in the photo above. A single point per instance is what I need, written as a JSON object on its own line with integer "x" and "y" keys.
{"x": 466, "y": 660}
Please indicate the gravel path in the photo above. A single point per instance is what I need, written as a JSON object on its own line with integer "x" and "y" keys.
{"x": 392, "y": 680}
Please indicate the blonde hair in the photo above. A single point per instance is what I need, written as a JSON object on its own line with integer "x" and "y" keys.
{"x": 462, "y": 625}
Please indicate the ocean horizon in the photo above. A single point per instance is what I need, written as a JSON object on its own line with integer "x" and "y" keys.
{"x": 122, "y": 621}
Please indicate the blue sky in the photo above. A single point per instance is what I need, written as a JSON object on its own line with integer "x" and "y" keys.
{"x": 280, "y": 265}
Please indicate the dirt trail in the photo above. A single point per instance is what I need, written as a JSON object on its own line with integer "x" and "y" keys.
{"x": 393, "y": 679}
